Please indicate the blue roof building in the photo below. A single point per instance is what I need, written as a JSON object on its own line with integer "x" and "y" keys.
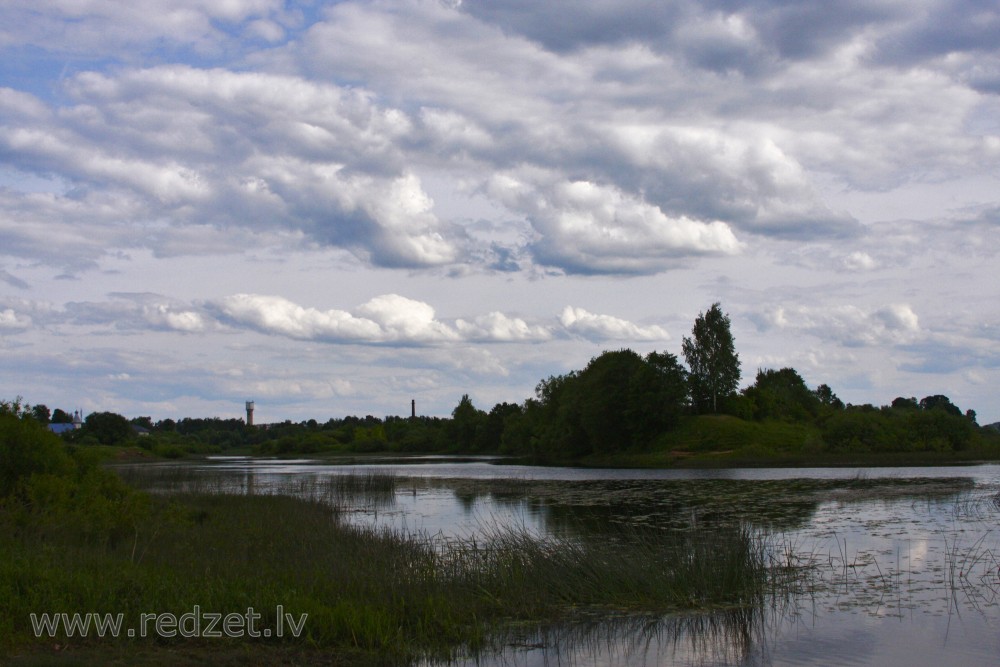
{"x": 77, "y": 422}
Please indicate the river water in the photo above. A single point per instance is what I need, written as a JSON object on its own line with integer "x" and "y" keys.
{"x": 903, "y": 563}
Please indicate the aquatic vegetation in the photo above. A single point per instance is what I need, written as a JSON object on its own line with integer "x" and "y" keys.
{"x": 696, "y": 565}
{"x": 235, "y": 540}
{"x": 366, "y": 589}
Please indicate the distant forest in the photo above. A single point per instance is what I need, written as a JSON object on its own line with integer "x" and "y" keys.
{"x": 621, "y": 403}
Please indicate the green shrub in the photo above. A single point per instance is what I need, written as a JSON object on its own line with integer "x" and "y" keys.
{"x": 46, "y": 486}
{"x": 27, "y": 448}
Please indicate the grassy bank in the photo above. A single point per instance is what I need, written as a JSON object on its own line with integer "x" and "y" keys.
{"x": 726, "y": 441}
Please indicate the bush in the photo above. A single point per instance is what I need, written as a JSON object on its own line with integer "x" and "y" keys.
{"x": 44, "y": 485}
{"x": 27, "y": 448}
{"x": 109, "y": 428}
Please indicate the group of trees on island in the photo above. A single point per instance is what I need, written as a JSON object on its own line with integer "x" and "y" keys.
{"x": 619, "y": 402}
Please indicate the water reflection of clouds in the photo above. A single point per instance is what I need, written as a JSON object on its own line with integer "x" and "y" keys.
{"x": 436, "y": 512}
{"x": 917, "y": 552}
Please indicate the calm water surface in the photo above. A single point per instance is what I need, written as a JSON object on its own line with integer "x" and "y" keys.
{"x": 903, "y": 572}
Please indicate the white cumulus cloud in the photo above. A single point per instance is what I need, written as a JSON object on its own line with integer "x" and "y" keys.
{"x": 496, "y": 326}
{"x": 604, "y": 327}
{"x": 586, "y": 227}
{"x": 277, "y": 315}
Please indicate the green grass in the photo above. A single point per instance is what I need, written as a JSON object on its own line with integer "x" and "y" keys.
{"x": 720, "y": 434}
{"x": 725, "y": 441}
{"x": 712, "y": 440}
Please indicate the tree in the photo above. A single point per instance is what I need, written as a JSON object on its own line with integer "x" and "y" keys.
{"x": 658, "y": 393}
{"x": 605, "y": 393}
{"x": 490, "y": 433}
{"x": 939, "y": 402}
{"x": 27, "y": 449}
{"x": 782, "y": 394}
{"x": 465, "y": 421}
{"x": 714, "y": 366}
{"x": 18, "y": 408}
{"x": 828, "y": 398}
{"x": 41, "y": 413}
{"x": 620, "y": 400}
{"x": 108, "y": 427}
{"x": 144, "y": 422}
{"x": 554, "y": 417}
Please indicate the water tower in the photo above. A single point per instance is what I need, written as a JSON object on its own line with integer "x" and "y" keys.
{"x": 249, "y": 413}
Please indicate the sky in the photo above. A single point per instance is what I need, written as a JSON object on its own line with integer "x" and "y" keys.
{"x": 334, "y": 208}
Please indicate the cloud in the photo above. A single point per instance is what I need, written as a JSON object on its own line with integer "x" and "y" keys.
{"x": 277, "y": 315}
{"x": 859, "y": 261}
{"x": 12, "y": 321}
{"x": 177, "y": 177}
{"x": 708, "y": 34}
{"x": 108, "y": 27}
{"x": 629, "y": 136}
{"x": 187, "y": 321}
{"x": 12, "y": 280}
{"x": 605, "y": 327}
{"x": 389, "y": 319}
{"x": 496, "y": 326}
{"x": 405, "y": 319}
{"x": 584, "y": 227}
{"x": 851, "y": 326}
{"x": 741, "y": 176}
{"x": 394, "y": 319}
{"x": 233, "y": 149}
{"x": 702, "y": 124}
{"x": 125, "y": 312}
{"x": 296, "y": 388}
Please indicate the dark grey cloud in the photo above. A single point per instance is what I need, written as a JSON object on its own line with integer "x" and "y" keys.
{"x": 565, "y": 26}
{"x": 12, "y": 280}
{"x": 810, "y": 29}
{"x": 719, "y": 35}
{"x": 937, "y": 28}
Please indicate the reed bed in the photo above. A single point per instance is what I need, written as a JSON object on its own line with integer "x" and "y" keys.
{"x": 367, "y": 489}
{"x": 370, "y": 592}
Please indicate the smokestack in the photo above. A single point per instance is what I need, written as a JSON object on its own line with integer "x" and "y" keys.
{"x": 249, "y": 413}
{"x": 413, "y": 408}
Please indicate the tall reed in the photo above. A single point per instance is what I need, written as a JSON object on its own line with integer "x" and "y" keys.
{"x": 376, "y": 590}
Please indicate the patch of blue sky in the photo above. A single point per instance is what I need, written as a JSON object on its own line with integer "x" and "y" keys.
{"x": 28, "y": 182}
{"x": 38, "y": 71}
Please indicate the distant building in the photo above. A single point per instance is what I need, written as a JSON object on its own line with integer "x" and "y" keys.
{"x": 66, "y": 428}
